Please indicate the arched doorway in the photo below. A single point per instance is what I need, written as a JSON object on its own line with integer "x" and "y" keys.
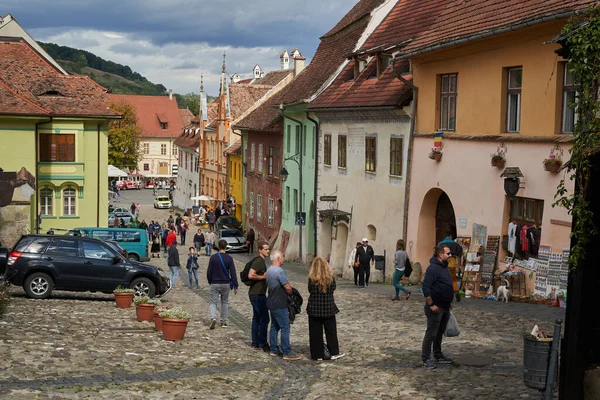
{"x": 436, "y": 221}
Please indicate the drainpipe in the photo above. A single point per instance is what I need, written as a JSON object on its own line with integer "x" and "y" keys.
{"x": 410, "y": 147}
{"x": 318, "y": 128}
{"x": 299, "y": 175}
{"x": 37, "y": 173}
{"x": 99, "y": 184}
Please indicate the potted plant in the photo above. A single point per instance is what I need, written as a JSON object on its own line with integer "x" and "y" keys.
{"x": 123, "y": 296}
{"x": 174, "y": 323}
{"x": 554, "y": 160}
{"x": 436, "y": 153}
{"x": 144, "y": 308}
{"x": 157, "y": 319}
{"x": 499, "y": 157}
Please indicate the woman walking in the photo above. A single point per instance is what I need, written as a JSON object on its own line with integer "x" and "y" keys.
{"x": 173, "y": 263}
{"x": 156, "y": 239}
{"x": 250, "y": 238}
{"x": 400, "y": 260}
{"x": 321, "y": 310}
{"x": 192, "y": 266}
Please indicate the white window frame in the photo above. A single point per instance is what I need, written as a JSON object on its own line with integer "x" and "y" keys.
{"x": 163, "y": 149}
{"x": 259, "y": 166}
{"x": 252, "y": 156}
{"x": 513, "y": 96}
{"x": 569, "y": 87}
{"x": 46, "y": 202}
{"x": 69, "y": 202}
{"x": 251, "y": 205}
{"x": 146, "y": 148}
{"x": 271, "y": 212}
{"x": 258, "y": 207}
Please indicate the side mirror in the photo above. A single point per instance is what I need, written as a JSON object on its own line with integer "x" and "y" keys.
{"x": 116, "y": 259}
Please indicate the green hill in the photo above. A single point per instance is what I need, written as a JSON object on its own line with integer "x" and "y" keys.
{"x": 116, "y": 77}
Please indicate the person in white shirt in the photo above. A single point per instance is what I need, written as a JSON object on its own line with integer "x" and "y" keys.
{"x": 353, "y": 264}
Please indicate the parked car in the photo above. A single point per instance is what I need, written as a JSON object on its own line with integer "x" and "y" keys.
{"x": 134, "y": 241}
{"x": 119, "y": 209}
{"x": 3, "y": 259}
{"x": 236, "y": 241}
{"x": 162, "y": 202}
{"x": 120, "y": 184}
{"x": 125, "y": 216}
{"x": 130, "y": 185}
{"x": 149, "y": 185}
{"x": 228, "y": 222}
{"x": 43, "y": 263}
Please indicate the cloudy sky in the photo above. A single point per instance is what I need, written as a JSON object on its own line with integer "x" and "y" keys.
{"x": 174, "y": 41}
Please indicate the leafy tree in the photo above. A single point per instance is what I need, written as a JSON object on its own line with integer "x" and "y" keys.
{"x": 124, "y": 138}
{"x": 192, "y": 102}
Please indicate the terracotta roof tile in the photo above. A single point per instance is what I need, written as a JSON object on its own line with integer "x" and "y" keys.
{"x": 273, "y": 77}
{"x": 186, "y": 116}
{"x": 234, "y": 148}
{"x": 328, "y": 57}
{"x": 148, "y": 109}
{"x": 30, "y": 85}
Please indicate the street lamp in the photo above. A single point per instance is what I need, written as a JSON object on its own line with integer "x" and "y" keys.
{"x": 284, "y": 174}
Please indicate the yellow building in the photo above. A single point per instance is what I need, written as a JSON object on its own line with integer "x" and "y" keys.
{"x": 234, "y": 175}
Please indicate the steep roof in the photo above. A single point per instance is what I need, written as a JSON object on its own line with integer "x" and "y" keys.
{"x": 452, "y": 22}
{"x": 328, "y": 57}
{"x": 273, "y": 78}
{"x": 359, "y": 10}
{"x": 151, "y": 111}
{"x": 31, "y": 85}
{"x": 186, "y": 116}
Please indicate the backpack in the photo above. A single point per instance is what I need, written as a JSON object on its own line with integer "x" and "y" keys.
{"x": 244, "y": 274}
{"x": 407, "y": 268}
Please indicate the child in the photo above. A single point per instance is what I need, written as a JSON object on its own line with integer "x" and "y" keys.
{"x": 192, "y": 266}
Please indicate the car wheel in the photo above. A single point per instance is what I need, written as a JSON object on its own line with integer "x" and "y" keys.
{"x": 133, "y": 257}
{"x": 143, "y": 287}
{"x": 38, "y": 286}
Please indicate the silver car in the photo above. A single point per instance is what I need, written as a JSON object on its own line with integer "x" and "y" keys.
{"x": 236, "y": 241}
{"x": 126, "y": 217}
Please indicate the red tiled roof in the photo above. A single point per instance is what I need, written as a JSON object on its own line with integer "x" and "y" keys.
{"x": 30, "y": 85}
{"x": 447, "y": 21}
{"x": 234, "y": 148}
{"x": 361, "y": 9}
{"x": 150, "y": 111}
{"x": 273, "y": 77}
{"x": 186, "y": 116}
{"x": 328, "y": 57}
{"x": 190, "y": 137}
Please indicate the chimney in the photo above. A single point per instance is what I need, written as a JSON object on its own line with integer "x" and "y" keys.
{"x": 298, "y": 64}
{"x": 284, "y": 57}
{"x": 171, "y": 94}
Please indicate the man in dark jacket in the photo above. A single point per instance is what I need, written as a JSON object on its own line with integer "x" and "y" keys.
{"x": 222, "y": 278}
{"x": 365, "y": 256}
{"x": 438, "y": 292}
{"x": 173, "y": 262}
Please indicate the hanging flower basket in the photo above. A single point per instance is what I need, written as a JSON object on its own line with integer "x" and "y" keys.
{"x": 552, "y": 166}
{"x": 436, "y": 154}
{"x": 499, "y": 163}
{"x": 499, "y": 157}
{"x": 554, "y": 162}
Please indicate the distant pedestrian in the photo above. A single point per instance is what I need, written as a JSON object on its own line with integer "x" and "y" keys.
{"x": 171, "y": 237}
{"x": 143, "y": 225}
{"x": 164, "y": 235}
{"x": 116, "y": 222}
{"x": 173, "y": 263}
{"x": 183, "y": 227}
{"x": 133, "y": 208}
{"x": 258, "y": 297}
{"x": 321, "y": 310}
{"x": 199, "y": 240}
{"x": 138, "y": 207}
{"x": 219, "y": 274}
{"x": 211, "y": 220}
{"x": 277, "y": 302}
{"x": 352, "y": 263}
{"x": 155, "y": 248}
{"x": 365, "y": 257}
{"x": 208, "y": 242}
{"x": 438, "y": 292}
{"x": 192, "y": 266}
{"x": 250, "y": 238}
{"x": 400, "y": 260}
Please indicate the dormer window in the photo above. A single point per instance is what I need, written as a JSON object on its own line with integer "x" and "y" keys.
{"x": 383, "y": 61}
{"x": 359, "y": 66}
{"x": 51, "y": 93}
{"x": 164, "y": 125}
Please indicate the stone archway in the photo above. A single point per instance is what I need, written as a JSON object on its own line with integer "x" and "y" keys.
{"x": 339, "y": 258}
{"x": 436, "y": 218}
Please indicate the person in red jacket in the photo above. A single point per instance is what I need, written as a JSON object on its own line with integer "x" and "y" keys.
{"x": 171, "y": 237}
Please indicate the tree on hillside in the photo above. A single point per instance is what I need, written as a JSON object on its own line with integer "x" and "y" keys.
{"x": 124, "y": 138}
{"x": 192, "y": 102}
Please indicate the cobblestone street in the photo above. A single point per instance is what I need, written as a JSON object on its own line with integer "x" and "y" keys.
{"x": 79, "y": 345}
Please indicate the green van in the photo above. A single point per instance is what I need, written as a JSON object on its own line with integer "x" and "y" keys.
{"x": 135, "y": 241}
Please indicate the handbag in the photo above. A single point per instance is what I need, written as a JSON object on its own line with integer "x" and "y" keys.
{"x": 407, "y": 268}
{"x": 452, "y": 329}
{"x": 231, "y": 285}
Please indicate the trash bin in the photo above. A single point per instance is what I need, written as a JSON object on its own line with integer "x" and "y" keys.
{"x": 380, "y": 263}
{"x": 536, "y": 357}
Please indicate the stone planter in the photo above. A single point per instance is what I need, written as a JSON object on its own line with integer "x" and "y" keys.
{"x": 498, "y": 163}
{"x": 174, "y": 329}
{"x": 123, "y": 300}
{"x": 145, "y": 312}
{"x": 552, "y": 167}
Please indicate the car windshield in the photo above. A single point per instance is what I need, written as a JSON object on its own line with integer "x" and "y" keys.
{"x": 228, "y": 220}
{"x": 162, "y": 198}
{"x": 231, "y": 233}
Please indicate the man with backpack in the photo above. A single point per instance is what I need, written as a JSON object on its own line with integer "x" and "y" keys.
{"x": 257, "y": 293}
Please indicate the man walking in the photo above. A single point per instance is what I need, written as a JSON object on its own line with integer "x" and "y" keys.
{"x": 173, "y": 263}
{"x": 277, "y": 302}
{"x": 365, "y": 257}
{"x": 352, "y": 263}
{"x": 438, "y": 292}
{"x": 258, "y": 297}
{"x": 220, "y": 271}
{"x": 210, "y": 238}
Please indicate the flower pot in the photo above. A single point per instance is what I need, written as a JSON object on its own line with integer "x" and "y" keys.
{"x": 552, "y": 167}
{"x": 174, "y": 329}
{"x": 157, "y": 320}
{"x": 145, "y": 312}
{"x": 123, "y": 300}
{"x": 437, "y": 157}
{"x": 498, "y": 163}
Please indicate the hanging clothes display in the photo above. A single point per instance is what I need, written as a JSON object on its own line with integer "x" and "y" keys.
{"x": 512, "y": 237}
{"x": 524, "y": 241}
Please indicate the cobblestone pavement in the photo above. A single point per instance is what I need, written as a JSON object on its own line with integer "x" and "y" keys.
{"x": 78, "y": 345}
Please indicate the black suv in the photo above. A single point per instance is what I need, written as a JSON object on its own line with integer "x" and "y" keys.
{"x": 228, "y": 222}
{"x": 42, "y": 263}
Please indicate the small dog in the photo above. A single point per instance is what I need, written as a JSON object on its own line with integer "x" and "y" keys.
{"x": 503, "y": 291}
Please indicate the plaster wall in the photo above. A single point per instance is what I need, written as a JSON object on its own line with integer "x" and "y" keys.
{"x": 154, "y": 157}
{"x": 476, "y": 191}
{"x": 376, "y": 200}
{"x": 187, "y": 182}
